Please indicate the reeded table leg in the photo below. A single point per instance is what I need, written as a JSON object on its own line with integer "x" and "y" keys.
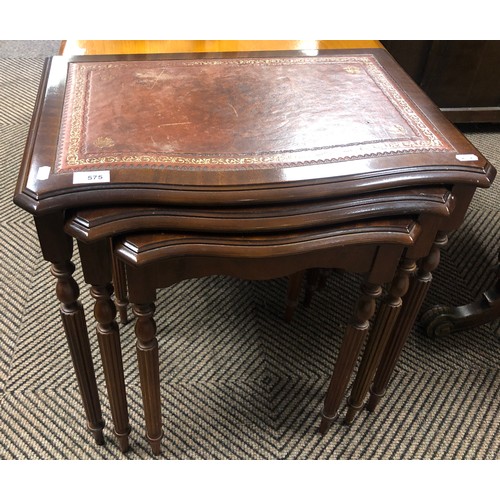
{"x": 149, "y": 372}
{"x": 313, "y": 278}
{"x": 349, "y": 351}
{"x": 96, "y": 264}
{"x": 120, "y": 287}
{"x": 78, "y": 341}
{"x": 378, "y": 338}
{"x": 57, "y": 248}
{"x": 108, "y": 336}
{"x": 293, "y": 293}
{"x": 405, "y": 321}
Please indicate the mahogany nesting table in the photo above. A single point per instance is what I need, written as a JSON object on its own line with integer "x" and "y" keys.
{"x": 253, "y": 143}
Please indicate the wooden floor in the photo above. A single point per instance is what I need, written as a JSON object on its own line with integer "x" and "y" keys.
{"x": 88, "y": 47}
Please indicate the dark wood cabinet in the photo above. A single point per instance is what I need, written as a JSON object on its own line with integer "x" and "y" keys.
{"x": 461, "y": 76}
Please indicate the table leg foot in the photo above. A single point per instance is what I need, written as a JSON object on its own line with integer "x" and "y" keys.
{"x": 374, "y": 400}
{"x": 98, "y": 435}
{"x": 326, "y": 423}
{"x": 155, "y": 444}
{"x": 122, "y": 313}
{"x": 352, "y": 411}
{"x": 123, "y": 441}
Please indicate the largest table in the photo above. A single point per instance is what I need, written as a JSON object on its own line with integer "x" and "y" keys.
{"x": 227, "y": 131}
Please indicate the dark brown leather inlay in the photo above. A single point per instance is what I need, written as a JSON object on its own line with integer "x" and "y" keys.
{"x": 236, "y": 113}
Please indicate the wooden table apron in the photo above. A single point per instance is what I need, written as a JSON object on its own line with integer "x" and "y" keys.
{"x": 400, "y": 141}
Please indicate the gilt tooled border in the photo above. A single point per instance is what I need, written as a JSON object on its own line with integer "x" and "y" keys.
{"x": 76, "y": 105}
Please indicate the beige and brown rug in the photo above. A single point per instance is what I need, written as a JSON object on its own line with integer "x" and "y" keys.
{"x": 238, "y": 382}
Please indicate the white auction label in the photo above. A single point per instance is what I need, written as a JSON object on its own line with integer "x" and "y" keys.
{"x": 469, "y": 157}
{"x": 43, "y": 173}
{"x": 91, "y": 177}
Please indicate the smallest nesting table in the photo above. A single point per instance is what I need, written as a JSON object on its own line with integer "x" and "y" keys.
{"x": 156, "y": 260}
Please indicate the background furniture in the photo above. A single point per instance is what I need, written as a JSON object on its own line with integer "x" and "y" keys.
{"x": 446, "y": 320}
{"x": 461, "y": 76}
{"x": 110, "y": 47}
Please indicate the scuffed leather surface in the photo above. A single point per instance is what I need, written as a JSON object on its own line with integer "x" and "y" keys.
{"x": 238, "y": 113}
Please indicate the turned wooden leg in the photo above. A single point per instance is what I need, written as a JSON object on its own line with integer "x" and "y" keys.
{"x": 108, "y": 336}
{"x": 96, "y": 265}
{"x": 349, "y": 351}
{"x": 57, "y": 248}
{"x": 149, "y": 372}
{"x": 78, "y": 341}
{"x": 378, "y": 338}
{"x": 293, "y": 294}
{"x": 120, "y": 288}
{"x": 313, "y": 278}
{"x": 405, "y": 321}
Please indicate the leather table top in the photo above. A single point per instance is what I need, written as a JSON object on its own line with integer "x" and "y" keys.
{"x": 217, "y": 130}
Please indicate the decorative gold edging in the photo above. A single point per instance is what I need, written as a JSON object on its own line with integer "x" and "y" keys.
{"x": 76, "y": 105}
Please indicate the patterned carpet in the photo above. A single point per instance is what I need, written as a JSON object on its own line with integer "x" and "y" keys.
{"x": 238, "y": 382}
